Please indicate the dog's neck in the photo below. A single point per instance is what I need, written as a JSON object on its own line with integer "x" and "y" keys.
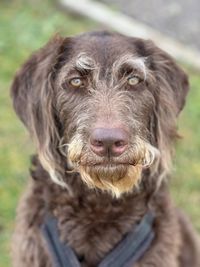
{"x": 91, "y": 220}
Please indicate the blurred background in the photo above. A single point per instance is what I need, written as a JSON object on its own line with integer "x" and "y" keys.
{"x": 26, "y": 25}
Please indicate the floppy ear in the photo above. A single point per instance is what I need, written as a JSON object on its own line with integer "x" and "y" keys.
{"x": 171, "y": 78}
{"x": 32, "y": 78}
{"x": 33, "y": 99}
{"x": 169, "y": 87}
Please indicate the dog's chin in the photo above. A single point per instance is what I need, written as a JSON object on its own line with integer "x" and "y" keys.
{"x": 115, "y": 179}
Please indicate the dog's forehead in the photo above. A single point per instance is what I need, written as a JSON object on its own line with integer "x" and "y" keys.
{"x": 101, "y": 44}
{"x": 105, "y": 50}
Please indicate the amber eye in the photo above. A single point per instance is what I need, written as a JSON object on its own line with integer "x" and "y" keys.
{"x": 76, "y": 82}
{"x": 133, "y": 80}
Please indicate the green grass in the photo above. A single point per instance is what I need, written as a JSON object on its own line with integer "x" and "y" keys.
{"x": 24, "y": 27}
{"x": 186, "y": 182}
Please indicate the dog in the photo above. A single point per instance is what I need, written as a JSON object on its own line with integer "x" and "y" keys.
{"x": 101, "y": 109}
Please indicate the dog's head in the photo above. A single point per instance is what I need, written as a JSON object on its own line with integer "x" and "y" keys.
{"x": 103, "y": 103}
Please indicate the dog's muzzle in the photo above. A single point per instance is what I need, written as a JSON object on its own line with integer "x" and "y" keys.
{"x": 109, "y": 162}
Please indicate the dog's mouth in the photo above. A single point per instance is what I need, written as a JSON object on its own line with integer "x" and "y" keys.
{"x": 117, "y": 174}
{"x": 109, "y": 175}
{"x": 115, "y": 178}
{"x": 110, "y": 164}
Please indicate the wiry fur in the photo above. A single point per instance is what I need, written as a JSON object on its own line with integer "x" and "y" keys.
{"x": 79, "y": 187}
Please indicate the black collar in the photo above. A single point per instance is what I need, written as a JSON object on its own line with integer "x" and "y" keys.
{"x": 127, "y": 252}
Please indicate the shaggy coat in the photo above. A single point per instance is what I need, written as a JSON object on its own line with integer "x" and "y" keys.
{"x": 101, "y": 109}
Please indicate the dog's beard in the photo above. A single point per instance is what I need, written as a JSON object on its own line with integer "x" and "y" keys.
{"x": 115, "y": 179}
{"x": 116, "y": 176}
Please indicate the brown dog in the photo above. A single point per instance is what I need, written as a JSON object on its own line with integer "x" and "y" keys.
{"x": 101, "y": 109}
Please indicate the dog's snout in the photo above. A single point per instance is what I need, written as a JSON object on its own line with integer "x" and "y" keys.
{"x": 108, "y": 142}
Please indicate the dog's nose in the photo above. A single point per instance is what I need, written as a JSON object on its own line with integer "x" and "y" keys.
{"x": 108, "y": 142}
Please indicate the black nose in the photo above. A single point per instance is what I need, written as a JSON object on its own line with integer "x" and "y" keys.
{"x": 108, "y": 142}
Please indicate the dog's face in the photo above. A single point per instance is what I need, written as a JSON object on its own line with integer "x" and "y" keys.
{"x": 101, "y": 100}
{"x": 103, "y": 103}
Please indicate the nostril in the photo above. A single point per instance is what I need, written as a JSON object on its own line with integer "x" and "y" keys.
{"x": 120, "y": 143}
{"x": 118, "y": 148}
{"x": 97, "y": 143}
{"x": 98, "y": 147}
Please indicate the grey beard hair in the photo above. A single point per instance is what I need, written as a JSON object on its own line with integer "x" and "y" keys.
{"x": 85, "y": 62}
{"x": 73, "y": 152}
{"x": 136, "y": 62}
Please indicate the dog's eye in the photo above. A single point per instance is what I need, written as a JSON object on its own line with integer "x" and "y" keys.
{"x": 76, "y": 82}
{"x": 133, "y": 80}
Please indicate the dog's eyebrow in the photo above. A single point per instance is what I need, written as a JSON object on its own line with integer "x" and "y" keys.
{"x": 134, "y": 62}
{"x": 84, "y": 63}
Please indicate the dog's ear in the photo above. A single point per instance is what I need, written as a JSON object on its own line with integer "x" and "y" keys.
{"x": 33, "y": 99}
{"x": 32, "y": 78}
{"x": 171, "y": 79}
{"x": 169, "y": 87}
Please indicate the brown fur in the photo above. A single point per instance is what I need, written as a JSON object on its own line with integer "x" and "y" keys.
{"x": 97, "y": 200}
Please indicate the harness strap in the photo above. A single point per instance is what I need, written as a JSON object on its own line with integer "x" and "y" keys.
{"x": 62, "y": 255}
{"x": 133, "y": 246}
{"x": 128, "y": 251}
